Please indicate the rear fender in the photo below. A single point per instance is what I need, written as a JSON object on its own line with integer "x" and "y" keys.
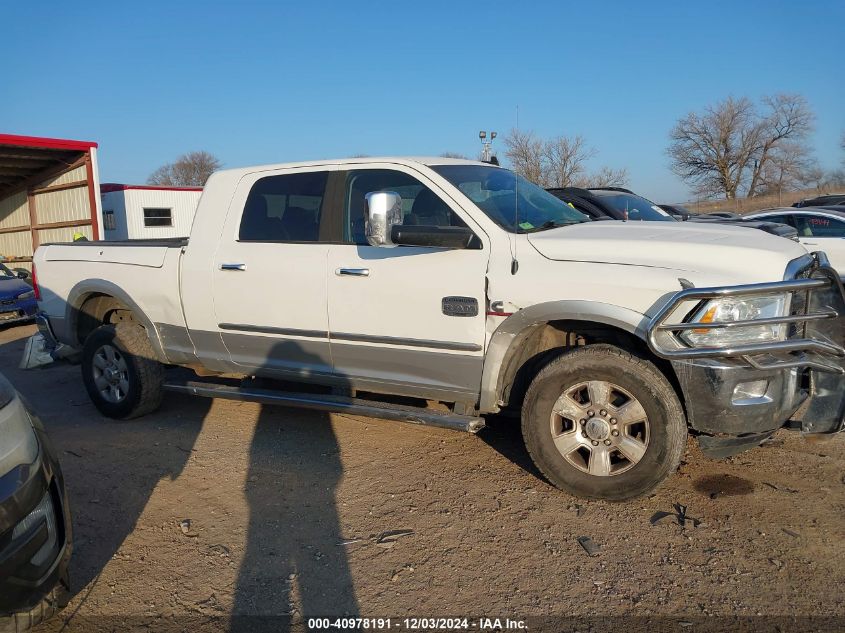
{"x": 83, "y": 290}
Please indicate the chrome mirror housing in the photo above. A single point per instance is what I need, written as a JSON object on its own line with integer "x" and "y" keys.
{"x": 384, "y": 211}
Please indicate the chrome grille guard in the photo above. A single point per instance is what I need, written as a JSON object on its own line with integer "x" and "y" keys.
{"x": 817, "y": 331}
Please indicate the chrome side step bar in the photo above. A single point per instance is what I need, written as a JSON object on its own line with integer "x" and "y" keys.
{"x": 331, "y": 403}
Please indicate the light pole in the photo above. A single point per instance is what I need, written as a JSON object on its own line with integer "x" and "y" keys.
{"x": 486, "y": 146}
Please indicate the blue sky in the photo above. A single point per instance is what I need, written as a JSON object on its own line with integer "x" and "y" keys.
{"x": 259, "y": 82}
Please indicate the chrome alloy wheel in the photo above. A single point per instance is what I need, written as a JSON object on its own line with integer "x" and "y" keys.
{"x": 111, "y": 374}
{"x": 600, "y": 428}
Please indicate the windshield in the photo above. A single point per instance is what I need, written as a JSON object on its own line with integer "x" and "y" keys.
{"x": 5, "y": 272}
{"x": 511, "y": 201}
{"x": 638, "y": 208}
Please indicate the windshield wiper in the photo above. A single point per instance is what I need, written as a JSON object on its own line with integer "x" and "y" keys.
{"x": 551, "y": 224}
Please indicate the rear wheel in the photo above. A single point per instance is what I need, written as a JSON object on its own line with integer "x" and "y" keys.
{"x": 121, "y": 373}
{"x": 602, "y": 423}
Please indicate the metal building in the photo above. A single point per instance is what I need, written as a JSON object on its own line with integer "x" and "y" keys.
{"x": 132, "y": 212}
{"x": 48, "y": 192}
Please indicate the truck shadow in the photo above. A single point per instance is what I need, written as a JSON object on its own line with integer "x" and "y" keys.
{"x": 504, "y": 435}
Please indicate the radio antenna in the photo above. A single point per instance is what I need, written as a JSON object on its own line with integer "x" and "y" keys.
{"x": 514, "y": 260}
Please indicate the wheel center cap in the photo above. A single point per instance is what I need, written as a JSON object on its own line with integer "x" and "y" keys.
{"x": 597, "y": 429}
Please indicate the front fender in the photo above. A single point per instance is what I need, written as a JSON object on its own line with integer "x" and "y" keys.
{"x": 514, "y": 329}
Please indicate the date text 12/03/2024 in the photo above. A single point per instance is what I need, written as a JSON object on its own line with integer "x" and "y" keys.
{"x": 419, "y": 624}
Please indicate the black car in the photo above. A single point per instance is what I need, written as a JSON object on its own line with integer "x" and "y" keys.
{"x": 677, "y": 211}
{"x": 822, "y": 201}
{"x": 35, "y": 529}
{"x": 615, "y": 203}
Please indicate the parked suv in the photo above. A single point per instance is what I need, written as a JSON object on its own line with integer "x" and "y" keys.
{"x": 35, "y": 531}
{"x": 822, "y": 201}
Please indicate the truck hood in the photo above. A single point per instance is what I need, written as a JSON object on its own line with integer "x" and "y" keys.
{"x": 701, "y": 248}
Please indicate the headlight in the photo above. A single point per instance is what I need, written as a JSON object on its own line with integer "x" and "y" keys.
{"x": 29, "y": 294}
{"x": 732, "y": 309}
{"x": 18, "y": 444}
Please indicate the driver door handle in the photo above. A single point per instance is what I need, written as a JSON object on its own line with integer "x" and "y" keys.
{"x": 233, "y": 267}
{"x": 353, "y": 272}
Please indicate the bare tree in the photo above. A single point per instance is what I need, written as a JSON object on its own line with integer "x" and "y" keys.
{"x": 789, "y": 167}
{"x": 606, "y": 177}
{"x": 525, "y": 151}
{"x": 189, "y": 170}
{"x": 842, "y": 145}
{"x": 558, "y": 162}
{"x": 787, "y": 122}
{"x": 564, "y": 160}
{"x": 731, "y": 143}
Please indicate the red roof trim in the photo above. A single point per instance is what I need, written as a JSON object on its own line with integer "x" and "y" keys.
{"x": 108, "y": 187}
{"x": 48, "y": 143}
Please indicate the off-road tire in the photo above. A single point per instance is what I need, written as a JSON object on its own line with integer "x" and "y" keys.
{"x": 145, "y": 372}
{"x": 667, "y": 423}
{"x": 53, "y": 602}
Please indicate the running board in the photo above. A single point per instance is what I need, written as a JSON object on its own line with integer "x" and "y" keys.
{"x": 326, "y": 402}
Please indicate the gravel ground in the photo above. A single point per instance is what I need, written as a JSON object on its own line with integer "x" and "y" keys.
{"x": 212, "y": 509}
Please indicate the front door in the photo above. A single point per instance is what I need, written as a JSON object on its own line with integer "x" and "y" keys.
{"x": 406, "y": 320}
{"x": 269, "y": 278}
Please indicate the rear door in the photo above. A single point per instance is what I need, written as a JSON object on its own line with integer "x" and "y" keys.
{"x": 408, "y": 320}
{"x": 269, "y": 277}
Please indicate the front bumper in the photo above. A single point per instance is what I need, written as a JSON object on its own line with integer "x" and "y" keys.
{"x": 15, "y": 311}
{"x": 738, "y": 396}
{"x": 35, "y": 531}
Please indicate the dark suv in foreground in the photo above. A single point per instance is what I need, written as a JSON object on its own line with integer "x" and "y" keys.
{"x": 35, "y": 532}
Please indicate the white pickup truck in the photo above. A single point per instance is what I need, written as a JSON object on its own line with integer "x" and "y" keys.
{"x": 464, "y": 286}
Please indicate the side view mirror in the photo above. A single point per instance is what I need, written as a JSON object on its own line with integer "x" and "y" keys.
{"x": 22, "y": 274}
{"x": 384, "y": 211}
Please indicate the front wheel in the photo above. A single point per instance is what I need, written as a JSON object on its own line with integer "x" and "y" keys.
{"x": 120, "y": 371}
{"x": 603, "y": 424}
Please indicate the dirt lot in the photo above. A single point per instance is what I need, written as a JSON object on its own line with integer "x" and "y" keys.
{"x": 291, "y": 513}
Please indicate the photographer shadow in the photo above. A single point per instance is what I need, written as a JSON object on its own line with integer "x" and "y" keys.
{"x": 294, "y": 566}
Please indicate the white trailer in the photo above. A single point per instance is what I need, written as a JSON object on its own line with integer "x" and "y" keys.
{"x": 132, "y": 212}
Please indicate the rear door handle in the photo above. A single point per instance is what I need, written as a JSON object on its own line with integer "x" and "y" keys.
{"x": 353, "y": 272}
{"x": 232, "y": 266}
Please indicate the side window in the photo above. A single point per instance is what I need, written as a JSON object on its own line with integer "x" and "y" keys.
{"x": 780, "y": 219}
{"x": 420, "y": 205}
{"x": 157, "y": 217}
{"x": 820, "y": 226}
{"x": 284, "y": 208}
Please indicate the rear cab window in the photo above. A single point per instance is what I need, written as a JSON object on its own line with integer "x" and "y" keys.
{"x": 284, "y": 208}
